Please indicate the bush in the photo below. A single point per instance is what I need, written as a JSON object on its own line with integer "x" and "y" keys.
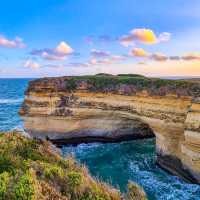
{"x": 52, "y": 171}
{"x": 135, "y": 192}
{"x": 32, "y": 169}
{"x": 4, "y": 181}
{"x": 74, "y": 179}
{"x": 25, "y": 189}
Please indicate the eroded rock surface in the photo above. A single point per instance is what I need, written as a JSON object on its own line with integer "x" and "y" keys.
{"x": 112, "y": 108}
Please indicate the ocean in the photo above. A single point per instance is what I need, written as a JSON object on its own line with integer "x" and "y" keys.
{"x": 115, "y": 163}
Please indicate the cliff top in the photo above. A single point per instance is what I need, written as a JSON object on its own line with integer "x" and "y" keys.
{"x": 127, "y": 84}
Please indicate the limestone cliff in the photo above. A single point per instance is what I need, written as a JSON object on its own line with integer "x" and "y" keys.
{"x": 107, "y": 107}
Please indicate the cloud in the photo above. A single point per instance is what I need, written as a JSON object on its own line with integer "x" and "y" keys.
{"x": 16, "y": 43}
{"x": 139, "y": 52}
{"x": 58, "y": 53}
{"x": 99, "y": 54}
{"x": 127, "y": 40}
{"x": 95, "y": 61}
{"x": 159, "y": 57}
{"x": 164, "y": 37}
{"x": 174, "y": 58}
{"x": 144, "y": 36}
{"x": 77, "y": 64}
{"x": 31, "y": 64}
{"x": 104, "y": 57}
{"x": 117, "y": 58}
{"x": 191, "y": 56}
{"x": 64, "y": 49}
{"x": 106, "y": 61}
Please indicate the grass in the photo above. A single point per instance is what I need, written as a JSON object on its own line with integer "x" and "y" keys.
{"x": 155, "y": 86}
{"x": 116, "y": 83}
{"x": 32, "y": 169}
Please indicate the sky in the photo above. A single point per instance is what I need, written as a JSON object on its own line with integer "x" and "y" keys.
{"x": 68, "y": 37}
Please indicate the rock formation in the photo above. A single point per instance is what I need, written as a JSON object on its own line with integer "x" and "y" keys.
{"x": 109, "y": 108}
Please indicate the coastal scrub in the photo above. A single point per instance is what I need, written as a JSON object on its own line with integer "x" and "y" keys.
{"x": 32, "y": 169}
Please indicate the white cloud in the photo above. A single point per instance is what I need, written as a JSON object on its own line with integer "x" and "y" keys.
{"x": 64, "y": 49}
{"x": 59, "y": 53}
{"x": 164, "y": 37}
{"x": 16, "y": 43}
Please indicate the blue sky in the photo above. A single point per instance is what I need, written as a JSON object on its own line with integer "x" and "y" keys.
{"x": 57, "y": 37}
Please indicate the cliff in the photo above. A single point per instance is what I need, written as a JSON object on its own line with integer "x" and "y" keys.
{"x": 33, "y": 169}
{"x": 112, "y": 108}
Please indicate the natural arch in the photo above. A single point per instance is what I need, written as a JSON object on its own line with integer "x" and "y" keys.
{"x": 175, "y": 121}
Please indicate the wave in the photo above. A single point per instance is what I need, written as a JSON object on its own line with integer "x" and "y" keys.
{"x": 11, "y": 101}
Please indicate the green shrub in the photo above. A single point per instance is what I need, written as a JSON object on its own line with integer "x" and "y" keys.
{"x": 4, "y": 181}
{"x": 74, "y": 179}
{"x": 52, "y": 171}
{"x": 6, "y": 164}
{"x": 25, "y": 189}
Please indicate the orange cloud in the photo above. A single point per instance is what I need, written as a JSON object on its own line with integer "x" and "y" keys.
{"x": 145, "y": 36}
{"x": 139, "y": 52}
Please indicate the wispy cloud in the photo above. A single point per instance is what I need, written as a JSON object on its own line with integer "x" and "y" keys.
{"x": 174, "y": 58}
{"x": 191, "y": 56}
{"x": 159, "y": 57}
{"x": 58, "y": 53}
{"x": 32, "y": 64}
{"x": 99, "y": 53}
{"x": 16, "y": 43}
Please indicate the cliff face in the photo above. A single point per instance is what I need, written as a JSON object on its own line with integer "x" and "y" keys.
{"x": 119, "y": 107}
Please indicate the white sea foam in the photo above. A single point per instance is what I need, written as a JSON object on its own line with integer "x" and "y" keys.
{"x": 11, "y": 101}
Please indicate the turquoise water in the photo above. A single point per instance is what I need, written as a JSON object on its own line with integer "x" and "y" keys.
{"x": 116, "y": 163}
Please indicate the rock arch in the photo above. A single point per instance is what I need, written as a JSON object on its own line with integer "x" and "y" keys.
{"x": 174, "y": 120}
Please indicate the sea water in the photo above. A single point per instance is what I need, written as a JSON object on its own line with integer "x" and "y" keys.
{"x": 115, "y": 163}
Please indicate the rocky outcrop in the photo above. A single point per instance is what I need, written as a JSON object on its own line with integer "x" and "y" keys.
{"x": 114, "y": 108}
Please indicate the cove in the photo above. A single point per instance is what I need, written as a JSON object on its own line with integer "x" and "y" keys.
{"x": 117, "y": 163}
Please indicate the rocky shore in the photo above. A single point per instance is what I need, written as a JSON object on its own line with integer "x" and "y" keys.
{"x": 114, "y": 108}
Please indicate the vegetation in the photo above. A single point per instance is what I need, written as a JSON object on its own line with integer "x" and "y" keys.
{"x": 135, "y": 192}
{"x": 127, "y": 84}
{"x": 32, "y": 169}
{"x": 155, "y": 86}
